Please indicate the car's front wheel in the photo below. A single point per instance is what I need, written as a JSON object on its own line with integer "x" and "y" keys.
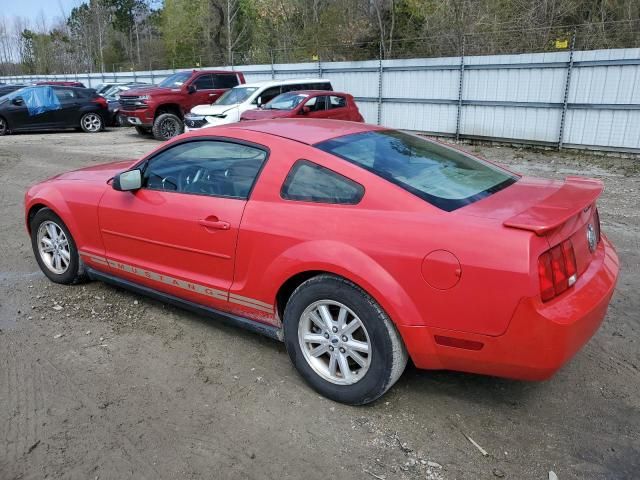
{"x": 91, "y": 122}
{"x": 167, "y": 126}
{"x": 54, "y": 248}
{"x": 341, "y": 341}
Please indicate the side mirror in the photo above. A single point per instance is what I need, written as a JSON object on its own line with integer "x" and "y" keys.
{"x": 127, "y": 181}
{"x": 18, "y": 101}
{"x": 191, "y": 88}
{"x": 304, "y": 110}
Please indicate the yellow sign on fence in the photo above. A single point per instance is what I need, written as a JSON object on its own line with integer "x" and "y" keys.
{"x": 564, "y": 43}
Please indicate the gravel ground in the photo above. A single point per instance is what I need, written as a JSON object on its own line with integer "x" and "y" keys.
{"x": 98, "y": 383}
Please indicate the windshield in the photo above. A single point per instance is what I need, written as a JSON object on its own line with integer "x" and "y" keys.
{"x": 444, "y": 177}
{"x": 176, "y": 80}
{"x": 235, "y": 95}
{"x": 16, "y": 93}
{"x": 286, "y": 101}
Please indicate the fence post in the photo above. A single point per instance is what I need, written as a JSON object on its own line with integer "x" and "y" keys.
{"x": 460, "y": 87}
{"x": 380, "y": 71}
{"x": 151, "y": 72}
{"x": 273, "y": 69}
{"x": 319, "y": 68}
{"x": 567, "y": 85}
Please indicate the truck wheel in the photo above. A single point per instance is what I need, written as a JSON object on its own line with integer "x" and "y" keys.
{"x": 167, "y": 126}
{"x": 143, "y": 130}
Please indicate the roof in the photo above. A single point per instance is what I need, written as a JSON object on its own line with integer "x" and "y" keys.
{"x": 306, "y": 130}
{"x": 288, "y": 81}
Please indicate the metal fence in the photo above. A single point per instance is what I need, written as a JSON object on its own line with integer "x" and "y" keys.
{"x": 567, "y": 99}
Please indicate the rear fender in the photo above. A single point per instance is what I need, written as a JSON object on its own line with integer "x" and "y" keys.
{"x": 350, "y": 263}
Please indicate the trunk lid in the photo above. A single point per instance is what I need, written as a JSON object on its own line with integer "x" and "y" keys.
{"x": 551, "y": 209}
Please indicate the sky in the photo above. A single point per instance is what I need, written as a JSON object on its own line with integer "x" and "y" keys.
{"x": 30, "y": 9}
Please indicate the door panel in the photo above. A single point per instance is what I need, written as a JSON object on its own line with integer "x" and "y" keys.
{"x": 170, "y": 242}
{"x": 178, "y": 233}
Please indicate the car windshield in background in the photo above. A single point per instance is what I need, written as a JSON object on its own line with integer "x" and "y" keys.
{"x": 176, "y": 80}
{"x": 286, "y": 101}
{"x": 235, "y": 95}
{"x": 444, "y": 177}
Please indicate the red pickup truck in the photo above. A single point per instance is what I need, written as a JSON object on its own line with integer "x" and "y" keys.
{"x": 160, "y": 109}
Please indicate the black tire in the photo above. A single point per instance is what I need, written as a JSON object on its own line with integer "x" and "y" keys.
{"x": 388, "y": 356}
{"x": 4, "y": 128}
{"x": 74, "y": 272}
{"x": 166, "y": 126}
{"x": 143, "y": 130}
{"x": 92, "y": 122}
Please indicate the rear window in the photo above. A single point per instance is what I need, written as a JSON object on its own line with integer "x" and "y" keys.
{"x": 221, "y": 80}
{"x": 444, "y": 177}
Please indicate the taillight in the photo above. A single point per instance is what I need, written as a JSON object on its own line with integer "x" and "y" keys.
{"x": 596, "y": 224}
{"x": 557, "y": 270}
{"x": 101, "y": 101}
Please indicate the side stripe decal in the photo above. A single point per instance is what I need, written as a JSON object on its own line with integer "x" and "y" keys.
{"x": 183, "y": 284}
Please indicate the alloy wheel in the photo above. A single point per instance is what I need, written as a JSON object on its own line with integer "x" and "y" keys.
{"x": 53, "y": 247}
{"x": 334, "y": 342}
{"x": 3, "y": 126}
{"x": 92, "y": 122}
{"x": 168, "y": 128}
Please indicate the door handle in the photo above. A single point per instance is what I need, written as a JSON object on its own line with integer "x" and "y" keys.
{"x": 214, "y": 224}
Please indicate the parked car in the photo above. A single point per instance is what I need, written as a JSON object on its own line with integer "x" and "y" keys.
{"x": 160, "y": 110}
{"x": 52, "y": 107}
{"x": 6, "y": 89}
{"x": 229, "y": 107}
{"x": 308, "y": 104}
{"x": 61, "y": 83}
{"x": 356, "y": 245}
{"x": 112, "y": 95}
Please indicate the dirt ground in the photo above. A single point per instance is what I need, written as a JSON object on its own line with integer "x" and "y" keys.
{"x": 116, "y": 386}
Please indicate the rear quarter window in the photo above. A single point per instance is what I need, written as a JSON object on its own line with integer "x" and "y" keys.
{"x": 310, "y": 182}
{"x": 222, "y": 80}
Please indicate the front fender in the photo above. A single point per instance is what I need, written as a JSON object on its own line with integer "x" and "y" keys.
{"x": 348, "y": 262}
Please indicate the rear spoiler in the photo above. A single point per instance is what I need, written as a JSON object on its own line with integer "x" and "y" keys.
{"x": 576, "y": 194}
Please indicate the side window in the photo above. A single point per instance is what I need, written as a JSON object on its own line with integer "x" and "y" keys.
{"x": 337, "y": 102}
{"x": 321, "y": 103}
{"x": 269, "y": 94}
{"x": 292, "y": 88}
{"x": 204, "y": 82}
{"x": 225, "y": 80}
{"x": 64, "y": 93}
{"x": 311, "y": 182}
{"x": 321, "y": 86}
{"x": 206, "y": 167}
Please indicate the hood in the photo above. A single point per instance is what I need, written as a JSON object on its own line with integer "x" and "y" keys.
{"x": 97, "y": 173}
{"x": 152, "y": 90}
{"x": 264, "y": 114}
{"x": 214, "y": 109}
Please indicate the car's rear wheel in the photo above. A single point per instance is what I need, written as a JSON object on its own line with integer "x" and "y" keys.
{"x": 167, "y": 126}
{"x": 4, "y": 129}
{"x": 54, "y": 248}
{"x": 341, "y": 341}
{"x": 91, "y": 122}
{"x": 143, "y": 130}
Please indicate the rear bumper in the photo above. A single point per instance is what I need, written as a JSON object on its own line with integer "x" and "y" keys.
{"x": 541, "y": 337}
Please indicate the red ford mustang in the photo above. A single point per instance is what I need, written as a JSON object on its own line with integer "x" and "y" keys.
{"x": 358, "y": 246}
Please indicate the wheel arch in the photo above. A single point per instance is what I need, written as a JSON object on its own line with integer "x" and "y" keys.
{"x": 53, "y": 200}
{"x": 173, "y": 108}
{"x": 350, "y": 264}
